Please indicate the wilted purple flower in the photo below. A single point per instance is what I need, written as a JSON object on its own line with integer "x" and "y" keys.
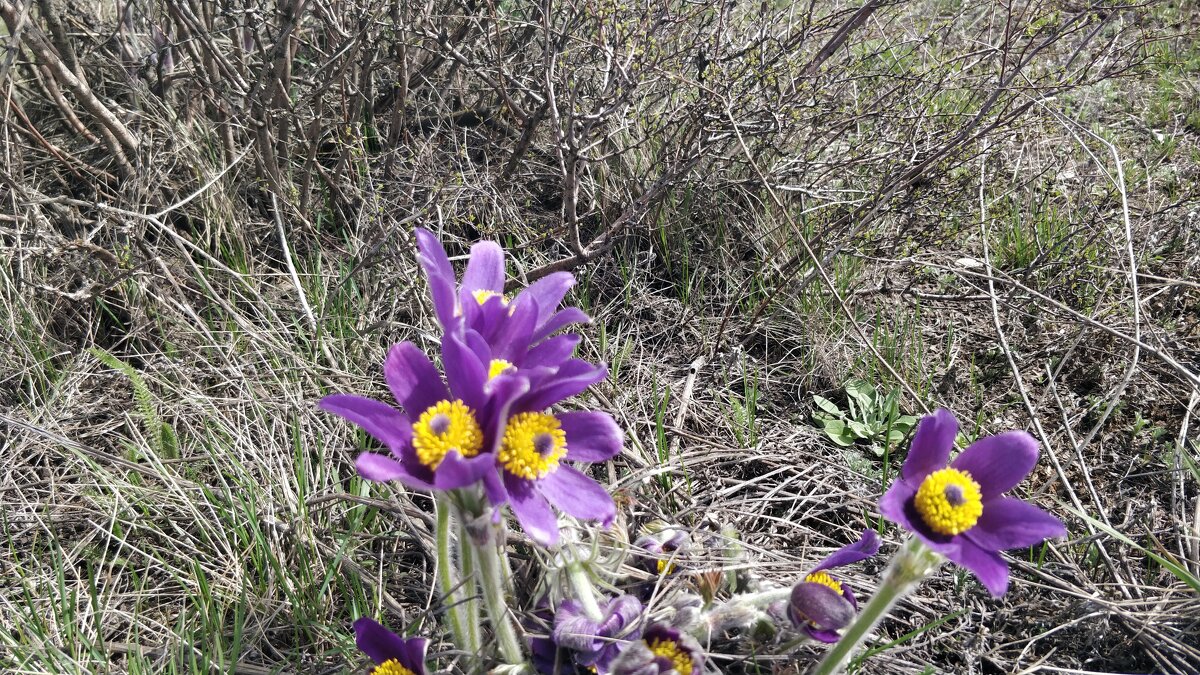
{"x": 662, "y": 649}
{"x": 821, "y": 605}
{"x": 594, "y": 644}
{"x": 660, "y": 547}
{"x": 392, "y": 654}
{"x": 958, "y": 510}
{"x": 441, "y": 438}
{"x": 479, "y": 303}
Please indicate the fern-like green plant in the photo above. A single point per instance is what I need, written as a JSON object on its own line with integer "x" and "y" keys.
{"x": 161, "y": 435}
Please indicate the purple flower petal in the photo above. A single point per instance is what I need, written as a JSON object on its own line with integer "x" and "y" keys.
{"x": 455, "y": 471}
{"x": 573, "y": 377}
{"x": 866, "y": 546}
{"x": 988, "y": 566}
{"x": 592, "y": 436}
{"x": 827, "y": 636}
{"x": 485, "y": 268}
{"x": 1008, "y": 522}
{"x": 575, "y": 494}
{"x": 558, "y": 321}
{"x": 383, "y": 422}
{"x": 548, "y": 292}
{"x": 532, "y": 511}
{"x": 511, "y": 338}
{"x": 413, "y": 379}
{"x": 381, "y": 469}
{"x": 999, "y": 462}
{"x": 820, "y": 605}
{"x": 381, "y": 644}
{"x": 551, "y": 352}
{"x": 503, "y": 391}
{"x": 464, "y": 372}
{"x": 437, "y": 266}
{"x": 894, "y": 504}
{"x": 930, "y": 449}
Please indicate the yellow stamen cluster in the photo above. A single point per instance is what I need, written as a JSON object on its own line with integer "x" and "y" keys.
{"x": 949, "y": 501}
{"x": 391, "y": 667}
{"x": 482, "y": 296}
{"x": 665, "y": 567}
{"x": 669, "y": 649}
{"x": 532, "y": 445}
{"x": 825, "y": 580}
{"x": 497, "y": 366}
{"x": 446, "y": 426}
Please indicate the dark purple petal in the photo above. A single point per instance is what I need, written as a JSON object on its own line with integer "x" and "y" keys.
{"x": 383, "y": 422}
{"x": 548, "y": 292}
{"x": 827, "y": 636}
{"x": 532, "y": 511}
{"x": 510, "y": 340}
{"x": 493, "y": 489}
{"x": 465, "y": 373}
{"x": 381, "y": 644}
{"x": 381, "y": 468}
{"x": 866, "y": 546}
{"x": 503, "y": 391}
{"x": 819, "y": 604}
{"x": 415, "y": 650}
{"x": 455, "y": 471}
{"x": 413, "y": 379}
{"x": 931, "y": 446}
{"x": 591, "y": 436}
{"x": 558, "y": 321}
{"x": 551, "y": 352}
{"x": 575, "y": 494}
{"x": 485, "y": 268}
{"x": 894, "y": 504}
{"x": 437, "y": 266}
{"x": 1008, "y": 522}
{"x": 999, "y": 462}
{"x": 573, "y": 377}
{"x": 988, "y": 566}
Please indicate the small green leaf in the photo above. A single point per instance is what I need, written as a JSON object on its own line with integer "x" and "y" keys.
{"x": 827, "y": 405}
{"x": 838, "y": 433}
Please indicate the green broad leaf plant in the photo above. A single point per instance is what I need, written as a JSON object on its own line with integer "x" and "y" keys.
{"x": 872, "y": 419}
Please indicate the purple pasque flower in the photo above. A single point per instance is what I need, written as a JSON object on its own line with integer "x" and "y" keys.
{"x": 959, "y": 510}
{"x": 441, "y": 437}
{"x": 595, "y": 644}
{"x": 821, "y": 605}
{"x": 653, "y": 551}
{"x": 392, "y": 654}
{"x": 662, "y": 649}
{"x": 529, "y": 473}
{"x": 479, "y": 303}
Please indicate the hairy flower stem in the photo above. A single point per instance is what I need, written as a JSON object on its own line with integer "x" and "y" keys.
{"x": 492, "y": 582}
{"x": 581, "y": 583}
{"x": 463, "y": 609}
{"x": 911, "y": 564}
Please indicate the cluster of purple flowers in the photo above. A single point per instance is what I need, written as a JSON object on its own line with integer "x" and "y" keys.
{"x": 486, "y": 419}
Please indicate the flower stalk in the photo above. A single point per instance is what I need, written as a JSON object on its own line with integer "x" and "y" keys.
{"x": 911, "y": 564}
{"x": 463, "y": 607}
{"x": 492, "y": 583}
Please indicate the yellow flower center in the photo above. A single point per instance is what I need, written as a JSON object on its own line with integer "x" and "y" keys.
{"x": 498, "y": 366}
{"x": 665, "y": 567}
{"x": 825, "y": 580}
{"x": 446, "y": 426}
{"x": 669, "y": 649}
{"x": 949, "y": 501}
{"x": 482, "y": 296}
{"x": 391, "y": 667}
{"x": 532, "y": 445}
